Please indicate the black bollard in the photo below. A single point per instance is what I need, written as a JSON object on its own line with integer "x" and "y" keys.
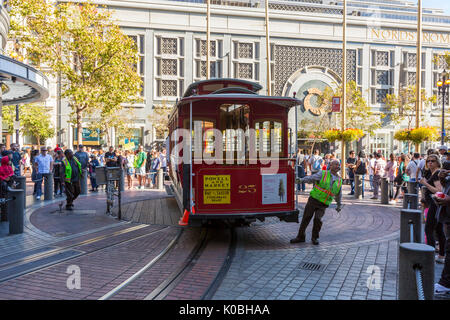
{"x": 22, "y": 184}
{"x": 358, "y": 186}
{"x": 412, "y": 257}
{"x": 410, "y": 201}
{"x": 15, "y": 210}
{"x": 413, "y": 188}
{"x": 384, "y": 191}
{"x": 408, "y": 217}
{"x": 122, "y": 180}
{"x": 48, "y": 186}
{"x": 83, "y": 182}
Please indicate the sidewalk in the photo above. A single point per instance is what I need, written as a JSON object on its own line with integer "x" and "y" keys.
{"x": 45, "y": 224}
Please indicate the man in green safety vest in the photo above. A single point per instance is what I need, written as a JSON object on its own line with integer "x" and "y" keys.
{"x": 327, "y": 185}
{"x": 71, "y": 171}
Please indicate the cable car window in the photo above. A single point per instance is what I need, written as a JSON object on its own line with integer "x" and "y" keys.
{"x": 202, "y": 128}
{"x": 269, "y": 132}
{"x": 234, "y": 123}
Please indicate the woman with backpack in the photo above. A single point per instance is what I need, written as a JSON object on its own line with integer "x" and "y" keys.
{"x": 401, "y": 180}
{"x": 389, "y": 173}
{"x": 361, "y": 168}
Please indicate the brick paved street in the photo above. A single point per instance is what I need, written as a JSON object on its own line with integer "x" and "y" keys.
{"x": 265, "y": 265}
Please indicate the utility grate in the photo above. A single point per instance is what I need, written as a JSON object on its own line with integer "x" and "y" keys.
{"x": 312, "y": 266}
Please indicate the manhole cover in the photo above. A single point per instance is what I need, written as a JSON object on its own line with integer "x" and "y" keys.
{"x": 312, "y": 266}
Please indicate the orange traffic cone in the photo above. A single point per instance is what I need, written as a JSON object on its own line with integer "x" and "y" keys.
{"x": 184, "y": 221}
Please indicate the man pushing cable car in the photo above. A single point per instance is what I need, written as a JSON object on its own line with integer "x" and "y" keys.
{"x": 327, "y": 185}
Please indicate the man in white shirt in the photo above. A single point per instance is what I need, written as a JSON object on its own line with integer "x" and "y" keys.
{"x": 43, "y": 163}
{"x": 411, "y": 169}
{"x": 315, "y": 162}
{"x": 378, "y": 172}
{"x": 370, "y": 170}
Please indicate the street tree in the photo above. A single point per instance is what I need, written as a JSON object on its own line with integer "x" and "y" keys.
{"x": 402, "y": 107}
{"x": 80, "y": 44}
{"x": 121, "y": 120}
{"x": 160, "y": 118}
{"x": 35, "y": 121}
{"x": 359, "y": 114}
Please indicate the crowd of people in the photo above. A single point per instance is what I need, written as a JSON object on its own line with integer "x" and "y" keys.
{"x": 428, "y": 172}
{"x": 138, "y": 165}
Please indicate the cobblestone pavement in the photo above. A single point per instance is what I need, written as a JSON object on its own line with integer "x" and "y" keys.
{"x": 359, "y": 242}
{"x": 354, "y": 245}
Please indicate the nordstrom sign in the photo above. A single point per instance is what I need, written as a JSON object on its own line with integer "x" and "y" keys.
{"x": 403, "y": 35}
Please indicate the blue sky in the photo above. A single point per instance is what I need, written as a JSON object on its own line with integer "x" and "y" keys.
{"x": 442, "y": 4}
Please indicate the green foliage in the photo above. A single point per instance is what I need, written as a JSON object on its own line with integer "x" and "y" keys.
{"x": 403, "y": 106}
{"x": 358, "y": 113}
{"x": 80, "y": 43}
{"x": 34, "y": 121}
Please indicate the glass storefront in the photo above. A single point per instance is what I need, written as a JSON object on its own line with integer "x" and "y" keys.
{"x": 132, "y": 141}
{"x": 381, "y": 142}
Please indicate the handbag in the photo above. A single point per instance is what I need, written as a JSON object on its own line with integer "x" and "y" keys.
{"x": 399, "y": 178}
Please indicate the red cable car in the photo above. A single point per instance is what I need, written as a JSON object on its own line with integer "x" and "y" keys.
{"x": 238, "y": 139}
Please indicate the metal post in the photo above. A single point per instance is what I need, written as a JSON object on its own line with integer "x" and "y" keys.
{"x": 413, "y": 256}
{"x": 444, "y": 91}
{"x": 83, "y": 182}
{"x": 16, "y": 210}
{"x": 160, "y": 179}
{"x": 408, "y": 217}
{"x": 17, "y": 120}
{"x": 48, "y": 186}
{"x": 412, "y": 187}
{"x": 122, "y": 180}
{"x": 344, "y": 82}
{"x": 358, "y": 186}
{"x": 410, "y": 201}
{"x": 419, "y": 69}
{"x": 384, "y": 191}
{"x": 268, "y": 49}
{"x": 22, "y": 184}
{"x": 191, "y": 201}
{"x": 208, "y": 44}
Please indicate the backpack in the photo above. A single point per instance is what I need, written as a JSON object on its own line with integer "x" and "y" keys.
{"x": 361, "y": 168}
{"x": 317, "y": 164}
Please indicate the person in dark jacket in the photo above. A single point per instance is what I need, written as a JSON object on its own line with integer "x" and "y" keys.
{"x": 443, "y": 286}
{"x": 72, "y": 175}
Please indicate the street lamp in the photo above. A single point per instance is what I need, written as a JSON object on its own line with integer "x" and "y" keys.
{"x": 443, "y": 86}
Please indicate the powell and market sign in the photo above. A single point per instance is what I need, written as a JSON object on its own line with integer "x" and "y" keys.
{"x": 436, "y": 38}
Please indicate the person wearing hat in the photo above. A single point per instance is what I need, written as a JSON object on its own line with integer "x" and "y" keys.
{"x": 71, "y": 171}
{"x": 43, "y": 163}
{"x": 327, "y": 185}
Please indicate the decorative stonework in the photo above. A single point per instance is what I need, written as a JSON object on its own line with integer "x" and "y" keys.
{"x": 212, "y": 48}
{"x": 169, "y": 67}
{"x": 383, "y": 77}
{"x": 245, "y": 70}
{"x": 245, "y": 50}
{"x": 411, "y": 61}
{"x": 411, "y": 79}
{"x": 382, "y": 58}
{"x": 168, "y": 88}
{"x": 289, "y": 59}
{"x": 381, "y": 95}
{"x": 169, "y": 46}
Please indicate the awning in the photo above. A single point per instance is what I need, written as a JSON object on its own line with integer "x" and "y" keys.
{"x": 24, "y": 83}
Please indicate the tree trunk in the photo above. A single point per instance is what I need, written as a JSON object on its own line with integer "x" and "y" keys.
{"x": 39, "y": 142}
{"x": 79, "y": 128}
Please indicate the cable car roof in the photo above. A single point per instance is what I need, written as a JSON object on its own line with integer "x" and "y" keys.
{"x": 286, "y": 102}
{"x": 211, "y": 85}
